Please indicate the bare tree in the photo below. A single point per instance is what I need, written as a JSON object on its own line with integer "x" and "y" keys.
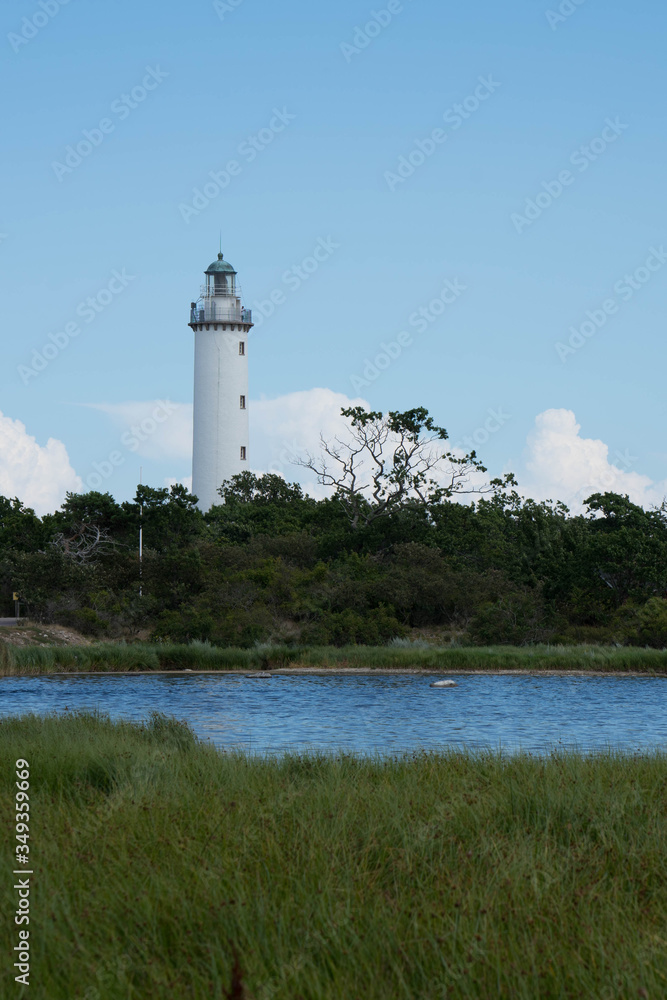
{"x": 388, "y": 460}
{"x": 85, "y": 544}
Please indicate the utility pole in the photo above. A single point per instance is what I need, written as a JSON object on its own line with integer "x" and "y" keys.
{"x": 141, "y": 538}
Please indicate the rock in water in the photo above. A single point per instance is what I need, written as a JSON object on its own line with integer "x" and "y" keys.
{"x": 444, "y": 684}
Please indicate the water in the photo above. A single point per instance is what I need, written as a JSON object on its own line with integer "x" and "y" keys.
{"x": 368, "y": 714}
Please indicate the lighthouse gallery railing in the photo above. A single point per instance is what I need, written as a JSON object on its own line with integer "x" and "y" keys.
{"x": 212, "y": 310}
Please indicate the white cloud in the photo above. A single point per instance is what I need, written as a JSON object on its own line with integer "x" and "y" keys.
{"x": 279, "y": 429}
{"x": 290, "y": 425}
{"x": 558, "y": 463}
{"x": 39, "y": 476}
{"x": 155, "y": 429}
{"x": 185, "y": 481}
{"x": 562, "y": 465}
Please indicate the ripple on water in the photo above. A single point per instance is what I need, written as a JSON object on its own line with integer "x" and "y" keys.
{"x": 370, "y": 714}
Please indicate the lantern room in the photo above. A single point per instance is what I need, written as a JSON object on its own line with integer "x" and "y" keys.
{"x": 220, "y": 278}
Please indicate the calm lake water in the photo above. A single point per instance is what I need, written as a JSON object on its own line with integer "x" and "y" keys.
{"x": 368, "y": 714}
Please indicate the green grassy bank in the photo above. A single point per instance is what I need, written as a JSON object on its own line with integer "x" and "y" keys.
{"x": 25, "y": 660}
{"x": 166, "y": 869}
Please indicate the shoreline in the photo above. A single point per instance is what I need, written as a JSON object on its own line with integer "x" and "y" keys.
{"x": 345, "y": 671}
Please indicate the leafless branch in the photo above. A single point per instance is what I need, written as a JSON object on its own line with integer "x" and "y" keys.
{"x": 387, "y": 461}
{"x": 85, "y": 544}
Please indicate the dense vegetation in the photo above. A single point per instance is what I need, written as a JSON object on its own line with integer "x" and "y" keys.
{"x": 270, "y": 564}
{"x": 389, "y": 553}
{"x": 168, "y": 869}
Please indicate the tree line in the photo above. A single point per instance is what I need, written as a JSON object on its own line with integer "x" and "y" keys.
{"x": 391, "y": 553}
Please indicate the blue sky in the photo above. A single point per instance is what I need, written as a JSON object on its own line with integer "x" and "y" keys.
{"x": 332, "y": 123}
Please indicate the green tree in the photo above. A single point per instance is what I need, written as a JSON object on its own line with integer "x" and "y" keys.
{"x": 20, "y": 528}
{"x": 627, "y": 547}
{"x": 259, "y": 505}
{"x": 169, "y": 516}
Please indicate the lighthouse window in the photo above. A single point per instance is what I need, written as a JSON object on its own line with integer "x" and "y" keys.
{"x": 242, "y": 402}
{"x": 242, "y": 453}
{"x": 241, "y": 346}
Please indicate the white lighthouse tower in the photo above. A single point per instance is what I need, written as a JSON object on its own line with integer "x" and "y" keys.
{"x": 221, "y": 326}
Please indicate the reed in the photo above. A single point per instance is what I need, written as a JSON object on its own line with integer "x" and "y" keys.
{"x": 27, "y": 660}
{"x": 167, "y": 868}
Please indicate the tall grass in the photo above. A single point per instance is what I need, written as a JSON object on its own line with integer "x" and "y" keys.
{"x": 22, "y": 660}
{"x": 164, "y": 864}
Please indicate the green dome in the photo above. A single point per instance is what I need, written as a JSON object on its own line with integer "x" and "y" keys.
{"x": 219, "y": 266}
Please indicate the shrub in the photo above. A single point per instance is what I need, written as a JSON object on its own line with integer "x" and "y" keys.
{"x": 86, "y": 621}
{"x": 652, "y": 624}
{"x": 373, "y": 628}
{"x": 515, "y": 620}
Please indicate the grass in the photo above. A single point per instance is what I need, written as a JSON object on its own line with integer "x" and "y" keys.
{"x": 26, "y": 660}
{"x": 165, "y": 868}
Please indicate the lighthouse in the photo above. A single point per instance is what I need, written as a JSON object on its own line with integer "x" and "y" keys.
{"x": 221, "y": 327}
